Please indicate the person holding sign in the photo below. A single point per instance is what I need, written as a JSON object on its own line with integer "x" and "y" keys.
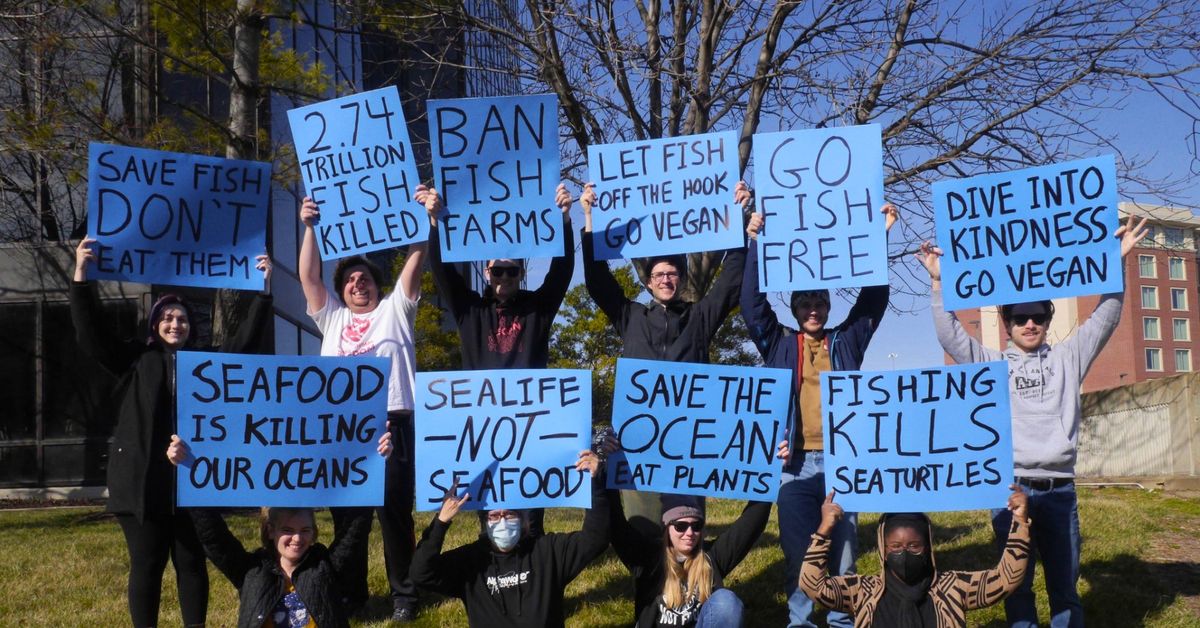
{"x": 679, "y": 580}
{"x": 363, "y": 322}
{"x": 291, "y": 580}
{"x": 911, "y": 592}
{"x": 141, "y": 481}
{"x": 509, "y": 577}
{"x": 807, "y": 352}
{"x": 666, "y": 328}
{"x": 505, "y": 327}
{"x": 1044, "y": 383}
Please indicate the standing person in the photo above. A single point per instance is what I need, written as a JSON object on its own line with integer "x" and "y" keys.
{"x": 912, "y": 593}
{"x": 141, "y": 481}
{"x": 292, "y": 580}
{"x": 808, "y": 352}
{"x": 506, "y": 327}
{"x": 363, "y": 322}
{"x": 666, "y": 328}
{"x": 679, "y": 579}
{"x": 508, "y": 577}
{"x": 1043, "y": 388}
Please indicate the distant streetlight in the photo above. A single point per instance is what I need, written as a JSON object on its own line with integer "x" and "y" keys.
{"x": 893, "y": 357}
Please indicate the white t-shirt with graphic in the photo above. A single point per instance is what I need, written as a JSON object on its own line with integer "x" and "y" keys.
{"x": 386, "y": 332}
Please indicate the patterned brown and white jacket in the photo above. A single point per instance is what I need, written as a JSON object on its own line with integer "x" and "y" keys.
{"x": 953, "y": 592}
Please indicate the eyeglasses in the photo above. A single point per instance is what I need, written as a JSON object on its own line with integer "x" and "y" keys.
{"x": 663, "y": 275}
{"x": 503, "y": 515}
{"x": 505, "y": 271}
{"x": 684, "y": 526}
{"x": 913, "y": 547}
{"x": 1020, "y": 319}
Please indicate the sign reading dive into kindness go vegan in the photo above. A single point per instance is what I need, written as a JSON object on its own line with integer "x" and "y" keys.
{"x": 281, "y": 430}
{"x": 698, "y": 429}
{"x": 357, "y": 164}
{"x": 820, "y": 192}
{"x": 175, "y": 218}
{"x": 1027, "y": 235}
{"x": 509, "y": 438}
{"x": 665, "y": 196}
{"x": 924, "y": 439}
{"x": 495, "y": 163}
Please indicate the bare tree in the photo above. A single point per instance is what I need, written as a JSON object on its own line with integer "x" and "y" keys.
{"x": 959, "y": 89}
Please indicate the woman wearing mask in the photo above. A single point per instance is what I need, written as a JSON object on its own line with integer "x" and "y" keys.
{"x": 141, "y": 481}
{"x": 911, "y": 592}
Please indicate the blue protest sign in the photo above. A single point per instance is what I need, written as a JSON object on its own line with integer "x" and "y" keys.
{"x": 1028, "y": 235}
{"x": 665, "y": 196}
{"x": 175, "y": 218}
{"x": 509, "y": 438}
{"x": 698, "y": 429}
{"x": 358, "y": 166}
{"x": 924, "y": 439}
{"x": 274, "y": 430}
{"x": 820, "y": 192}
{"x": 495, "y": 163}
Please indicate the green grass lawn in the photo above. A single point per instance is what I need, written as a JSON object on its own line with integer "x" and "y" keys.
{"x": 68, "y": 567}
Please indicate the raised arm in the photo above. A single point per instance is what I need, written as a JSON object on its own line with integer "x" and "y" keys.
{"x": 985, "y": 588}
{"x": 761, "y": 322}
{"x": 309, "y": 264}
{"x": 601, "y": 284}
{"x": 558, "y": 279}
{"x": 252, "y": 330}
{"x": 837, "y": 593}
{"x": 93, "y": 332}
{"x": 578, "y": 549}
{"x": 221, "y": 546}
{"x": 731, "y": 547}
{"x": 963, "y": 348}
{"x": 450, "y": 283}
{"x": 430, "y": 568}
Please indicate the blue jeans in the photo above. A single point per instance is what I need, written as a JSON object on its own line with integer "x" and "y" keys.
{"x": 1055, "y": 530}
{"x": 722, "y": 609}
{"x": 801, "y": 493}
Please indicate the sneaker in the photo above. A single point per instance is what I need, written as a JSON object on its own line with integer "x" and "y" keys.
{"x": 403, "y": 615}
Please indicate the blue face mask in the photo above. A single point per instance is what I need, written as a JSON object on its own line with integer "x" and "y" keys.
{"x": 505, "y": 534}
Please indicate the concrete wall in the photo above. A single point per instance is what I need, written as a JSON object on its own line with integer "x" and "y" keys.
{"x": 1149, "y": 431}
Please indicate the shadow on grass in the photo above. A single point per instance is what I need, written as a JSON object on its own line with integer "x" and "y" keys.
{"x": 1126, "y": 590}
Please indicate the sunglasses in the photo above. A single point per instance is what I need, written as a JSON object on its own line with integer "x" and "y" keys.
{"x": 505, "y": 271}
{"x": 684, "y": 526}
{"x": 1020, "y": 319}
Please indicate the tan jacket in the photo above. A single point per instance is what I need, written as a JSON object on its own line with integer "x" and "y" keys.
{"x": 953, "y": 592}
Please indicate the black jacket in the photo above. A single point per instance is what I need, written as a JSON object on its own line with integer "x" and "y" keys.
{"x": 515, "y": 334}
{"x": 679, "y": 331}
{"x": 261, "y": 583}
{"x": 140, "y": 478}
{"x": 521, "y": 588}
{"x": 643, "y": 556}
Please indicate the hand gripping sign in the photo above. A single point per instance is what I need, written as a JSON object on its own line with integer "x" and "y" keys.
{"x": 698, "y": 429}
{"x": 281, "y": 430}
{"x": 510, "y": 438}
{"x": 175, "y": 218}
{"x": 1028, "y": 235}
{"x": 358, "y": 166}
{"x": 927, "y": 439}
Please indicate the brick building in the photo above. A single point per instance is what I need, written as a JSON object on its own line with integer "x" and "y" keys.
{"x": 1159, "y": 332}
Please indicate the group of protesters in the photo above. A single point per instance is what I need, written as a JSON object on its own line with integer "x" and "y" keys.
{"x": 515, "y": 573}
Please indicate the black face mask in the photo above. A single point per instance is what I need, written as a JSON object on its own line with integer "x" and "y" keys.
{"x": 909, "y": 567}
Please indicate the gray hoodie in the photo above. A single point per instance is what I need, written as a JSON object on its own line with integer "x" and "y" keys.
{"x": 1043, "y": 386}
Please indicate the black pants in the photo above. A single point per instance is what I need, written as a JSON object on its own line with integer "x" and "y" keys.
{"x": 150, "y": 543}
{"x": 395, "y": 522}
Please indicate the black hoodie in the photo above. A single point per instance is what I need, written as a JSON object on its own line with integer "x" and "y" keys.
{"x": 513, "y": 334}
{"x": 678, "y": 331}
{"x": 520, "y": 588}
